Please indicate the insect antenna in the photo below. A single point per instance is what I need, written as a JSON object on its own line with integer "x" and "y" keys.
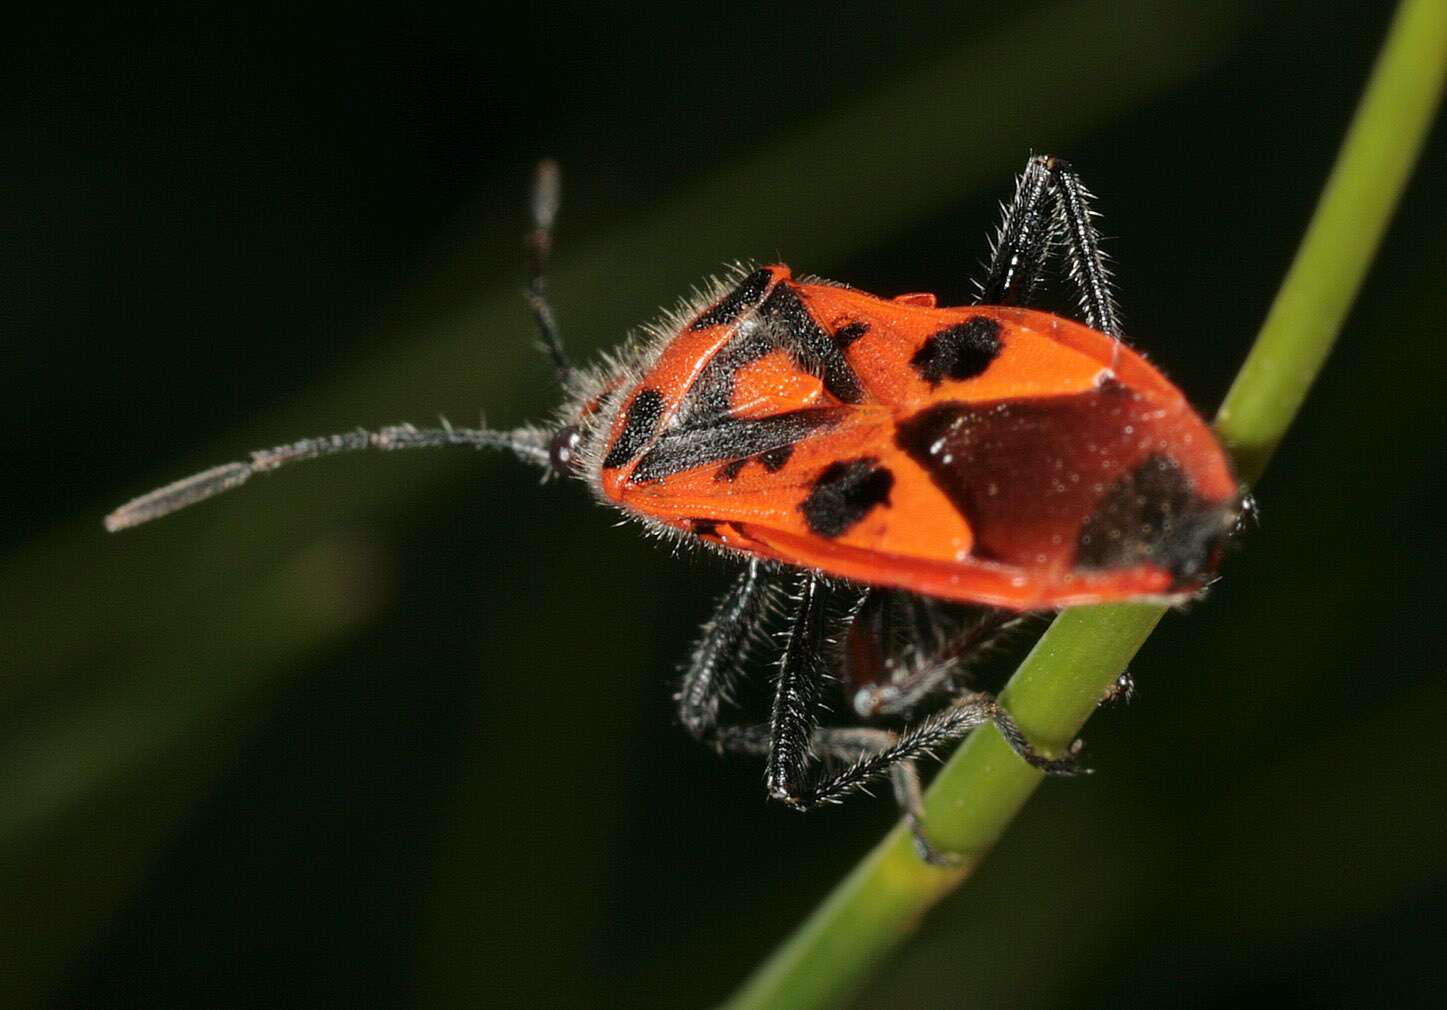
{"x": 529, "y": 445}
{"x": 547, "y": 195}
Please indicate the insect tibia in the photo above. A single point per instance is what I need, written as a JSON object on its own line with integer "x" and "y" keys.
{"x": 529, "y": 445}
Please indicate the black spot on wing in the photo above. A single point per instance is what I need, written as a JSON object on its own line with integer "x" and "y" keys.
{"x": 773, "y": 461}
{"x": 848, "y": 333}
{"x": 731, "y": 306}
{"x": 1152, "y": 514}
{"x": 844, "y": 494}
{"x": 642, "y": 420}
{"x": 812, "y": 349}
{"x": 730, "y": 439}
{"x": 961, "y": 351}
{"x": 729, "y": 472}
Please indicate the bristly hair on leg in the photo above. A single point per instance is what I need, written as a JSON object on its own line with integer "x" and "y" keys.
{"x": 1050, "y": 213}
{"x": 724, "y": 646}
{"x": 1022, "y": 243}
{"x": 1086, "y": 264}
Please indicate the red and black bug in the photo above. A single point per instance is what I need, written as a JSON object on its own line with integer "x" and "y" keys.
{"x": 894, "y": 459}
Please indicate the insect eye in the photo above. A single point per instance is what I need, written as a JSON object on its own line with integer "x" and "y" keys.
{"x": 563, "y": 450}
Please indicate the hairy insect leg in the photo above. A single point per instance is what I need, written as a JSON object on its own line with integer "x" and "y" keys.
{"x": 1050, "y": 205}
{"x": 853, "y": 744}
{"x": 792, "y": 739}
{"x": 923, "y": 738}
{"x": 788, "y": 741}
{"x": 1021, "y": 246}
{"x": 894, "y": 694}
{"x": 797, "y": 693}
{"x": 721, "y": 650}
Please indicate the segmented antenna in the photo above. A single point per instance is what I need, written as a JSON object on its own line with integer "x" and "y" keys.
{"x": 547, "y": 195}
{"x": 530, "y": 446}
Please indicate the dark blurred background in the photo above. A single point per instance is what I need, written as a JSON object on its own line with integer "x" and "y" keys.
{"x": 398, "y": 731}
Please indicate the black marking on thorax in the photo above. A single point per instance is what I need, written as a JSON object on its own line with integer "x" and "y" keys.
{"x": 732, "y": 305}
{"x": 844, "y": 494}
{"x": 710, "y": 395}
{"x": 644, "y": 413}
{"x": 811, "y": 347}
{"x": 961, "y": 351}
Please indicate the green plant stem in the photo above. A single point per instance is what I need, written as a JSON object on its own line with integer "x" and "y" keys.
{"x": 1053, "y": 693}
